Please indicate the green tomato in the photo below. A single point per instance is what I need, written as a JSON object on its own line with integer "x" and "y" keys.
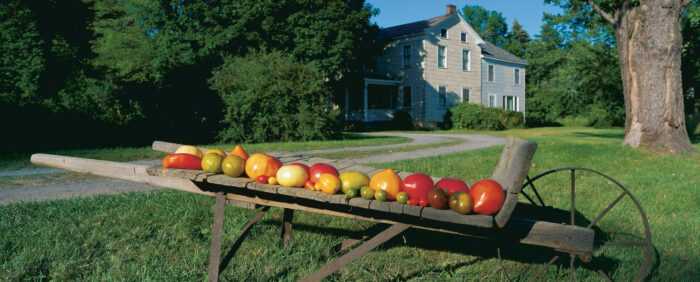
{"x": 367, "y": 193}
{"x": 402, "y": 197}
{"x": 351, "y": 193}
{"x": 380, "y": 195}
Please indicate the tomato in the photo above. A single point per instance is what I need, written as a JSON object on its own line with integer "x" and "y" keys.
{"x": 261, "y": 164}
{"x": 233, "y": 166}
{"x": 309, "y": 185}
{"x": 262, "y": 179}
{"x": 417, "y": 185}
{"x": 238, "y": 151}
{"x": 488, "y": 196}
{"x": 182, "y": 160}
{"x": 292, "y": 176}
{"x": 212, "y": 162}
{"x": 216, "y": 151}
{"x": 380, "y": 195}
{"x": 367, "y": 193}
{"x": 329, "y": 183}
{"x": 353, "y": 180}
{"x": 461, "y": 202}
{"x": 316, "y": 170}
{"x": 388, "y": 181}
{"x": 451, "y": 185}
{"x": 189, "y": 149}
{"x": 437, "y": 199}
{"x": 402, "y": 197}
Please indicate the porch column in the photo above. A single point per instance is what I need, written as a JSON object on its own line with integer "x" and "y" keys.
{"x": 366, "y": 107}
{"x": 347, "y": 101}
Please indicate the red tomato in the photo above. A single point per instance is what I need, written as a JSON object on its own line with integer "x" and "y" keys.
{"x": 182, "y": 160}
{"x": 417, "y": 186}
{"x": 309, "y": 185}
{"x": 488, "y": 196}
{"x": 263, "y": 179}
{"x": 451, "y": 185}
{"x": 316, "y": 170}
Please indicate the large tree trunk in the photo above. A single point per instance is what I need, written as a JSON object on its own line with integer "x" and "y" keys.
{"x": 649, "y": 44}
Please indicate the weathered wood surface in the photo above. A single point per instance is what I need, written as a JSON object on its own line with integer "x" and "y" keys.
{"x": 511, "y": 172}
{"x": 539, "y": 233}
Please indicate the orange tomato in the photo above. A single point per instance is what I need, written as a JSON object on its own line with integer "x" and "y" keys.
{"x": 388, "y": 181}
{"x": 330, "y": 184}
{"x": 261, "y": 164}
{"x": 238, "y": 151}
{"x": 216, "y": 151}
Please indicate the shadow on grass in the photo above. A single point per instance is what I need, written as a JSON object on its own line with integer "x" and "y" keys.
{"x": 600, "y": 135}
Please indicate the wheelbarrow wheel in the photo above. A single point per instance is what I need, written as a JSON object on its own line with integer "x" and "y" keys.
{"x": 622, "y": 246}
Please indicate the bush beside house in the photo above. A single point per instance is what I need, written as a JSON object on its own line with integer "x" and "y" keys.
{"x": 479, "y": 117}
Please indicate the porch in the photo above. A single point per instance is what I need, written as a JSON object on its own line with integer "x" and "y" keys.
{"x": 378, "y": 99}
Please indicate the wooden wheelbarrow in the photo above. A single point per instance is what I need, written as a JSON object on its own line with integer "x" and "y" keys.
{"x": 532, "y": 223}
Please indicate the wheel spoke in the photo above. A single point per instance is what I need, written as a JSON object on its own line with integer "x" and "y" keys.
{"x": 573, "y": 196}
{"x": 550, "y": 262}
{"x": 528, "y": 198}
{"x": 532, "y": 185}
{"x": 625, "y": 244}
{"x": 606, "y": 210}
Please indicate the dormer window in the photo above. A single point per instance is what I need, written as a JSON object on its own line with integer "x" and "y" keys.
{"x": 463, "y": 37}
{"x": 443, "y": 33}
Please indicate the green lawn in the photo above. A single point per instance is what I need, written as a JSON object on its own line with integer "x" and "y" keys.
{"x": 121, "y": 154}
{"x": 165, "y": 235}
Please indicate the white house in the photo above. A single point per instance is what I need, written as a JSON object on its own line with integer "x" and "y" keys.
{"x": 429, "y": 66}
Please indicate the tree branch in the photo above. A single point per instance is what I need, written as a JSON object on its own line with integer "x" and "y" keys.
{"x": 600, "y": 11}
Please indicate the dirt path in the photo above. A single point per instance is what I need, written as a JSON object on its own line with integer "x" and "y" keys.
{"x": 108, "y": 186}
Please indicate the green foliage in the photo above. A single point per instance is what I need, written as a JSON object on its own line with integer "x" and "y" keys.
{"x": 402, "y": 120}
{"x": 517, "y": 40}
{"x": 273, "y": 97}
{"x": 480, "y": 117}
{"x": 490, "y": 25}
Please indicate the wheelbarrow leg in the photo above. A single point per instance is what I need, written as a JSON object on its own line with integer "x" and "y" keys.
{"x": 338, "y": 263}
{"x": 215, "y": 252}
{"x": 286, "y": 226}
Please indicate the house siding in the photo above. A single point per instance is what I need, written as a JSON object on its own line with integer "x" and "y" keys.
{"x": 453, "y": 77}
{"x": 390, "y": 66}
{"x": 504, "y": 84}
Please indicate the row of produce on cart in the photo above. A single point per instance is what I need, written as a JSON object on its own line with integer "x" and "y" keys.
{"x": 484, "y": 197}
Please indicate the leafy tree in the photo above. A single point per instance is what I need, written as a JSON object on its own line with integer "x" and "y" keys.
{"x": 517, "y": 40}
{"x": 273, "y": 97}
{"x": 649, "y": 43}
{"x": 490, "y": 25}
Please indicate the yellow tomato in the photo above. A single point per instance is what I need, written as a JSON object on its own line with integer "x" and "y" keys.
{"x": 188, "y": 149}
{"x": 212, "y": 163}
{"x": 216, "y": 151}
{"x": 388, "y": 181}
{"x": 233, "y": 166}
{"x": 329, "y": 183}
{"x": 272, "y": 180}
{"x": 353, "y": 180}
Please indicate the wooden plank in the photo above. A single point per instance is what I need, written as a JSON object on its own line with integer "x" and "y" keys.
{"x": 342, "y": 166}
{"x": 170, "y": 148}
{"x": 553, "y": 235}
{"x": 359, "y": 202}
{"x": 379, "y": 206}
{"x": 361, "y": 168}
{"x": 453, "y": 217}
{"x": 375, "y": 171}
{"x": 291, "y": 159}
{"x": 191, "y": 174}
{"x": 511, "y": 172}
{"x": 267, "y": 188}
{"x": 224, "y": 180}
{"x": 241, "y": 204}
{"x": 396, "y": 208}
{"x": 412, "y": 210}
{"x": 404, "y": 174}
{"x": 296, "y": 192}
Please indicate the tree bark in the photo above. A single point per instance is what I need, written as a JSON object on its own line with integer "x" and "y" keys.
{"x": 649, "y": 42}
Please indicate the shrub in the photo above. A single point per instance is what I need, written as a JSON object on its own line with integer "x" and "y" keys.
{"x": 272, "y": 97}
{"x": 511, "y": 119}
{"x": 402, "y": 120}
{"x": 474, "y": 116}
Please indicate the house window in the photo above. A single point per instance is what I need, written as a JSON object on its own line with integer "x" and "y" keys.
{"x": 443, "y": 33}
{"x": 466, "y": 64}
{"x": 491, "y": 74}
{"x": 510, "y": 103}
{"x": 407, "y": 97}
{"x": 492, "y": 100}
{"x": 463, "y": 37}
{"x": 407, "y": 56}
{"x": 516, "y": 76}
{"x": 442, "y": 96}
{"x": 465, "y": 94}
{"x": 442, "y": 57}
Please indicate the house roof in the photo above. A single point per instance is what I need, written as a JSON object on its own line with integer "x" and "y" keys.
{"x": 492, "y": 51}
{"x": 409, "y": 28}
{"x": 488, "y": 50}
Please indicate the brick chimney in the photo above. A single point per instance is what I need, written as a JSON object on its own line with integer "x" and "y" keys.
{"x": 451, "y": 9}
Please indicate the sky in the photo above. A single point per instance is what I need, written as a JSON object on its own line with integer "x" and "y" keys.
{"x": 396, "y": 12}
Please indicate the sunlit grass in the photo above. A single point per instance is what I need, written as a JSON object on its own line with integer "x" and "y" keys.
{"x": 165, "y": 235}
